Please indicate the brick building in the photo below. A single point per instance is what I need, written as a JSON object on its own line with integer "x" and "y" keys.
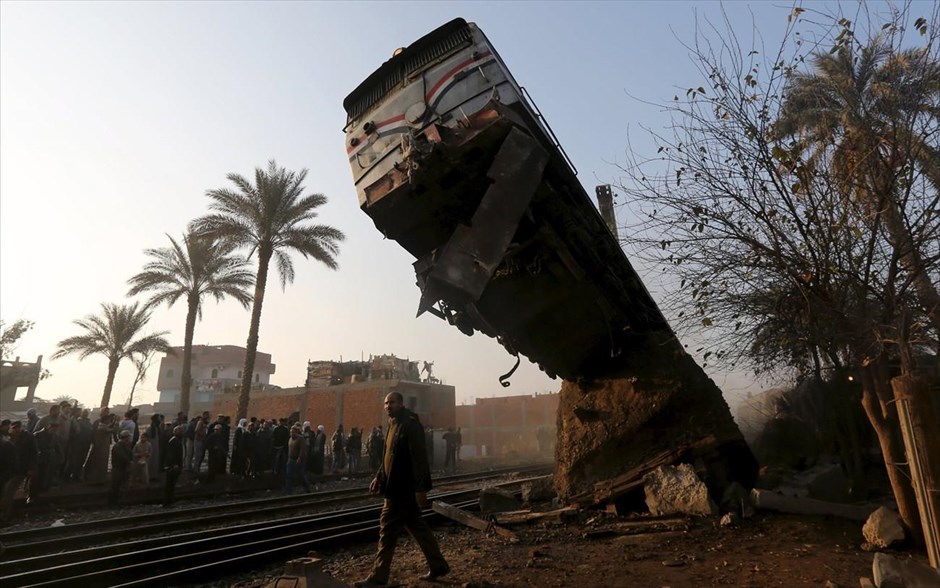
{"x": 352, "y": 393}
{"x": 508, "y": 424}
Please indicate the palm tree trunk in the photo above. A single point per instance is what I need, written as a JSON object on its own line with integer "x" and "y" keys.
{"x": 876, "y": 400}
{"x": 109, "y": 383}
{"x": 911, "y": 260}
{"x": 186, "y": 381}
{"x": 264, "y": 259}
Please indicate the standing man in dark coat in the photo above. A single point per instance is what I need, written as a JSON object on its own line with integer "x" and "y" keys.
{"x": 122, "y": 455}
{"x": 217, "y": 445}
{"x": 404, "y": 479}
{"x": 319, "y": 450}
{"x": 450, "y": 449}
{"x": 264, "y": 448}
{"x": 79, "y": 443}
{"x": 49, "y": 456}
{"x": 354, "y": 449}
{"x": 279, "y": 438}
{"x": 376, "y": 448}
{"x": 8, "y": 456}
{"x": 173, "y": 463}
{"x": 31, "y": 420}
{"x": 25, "y": 446}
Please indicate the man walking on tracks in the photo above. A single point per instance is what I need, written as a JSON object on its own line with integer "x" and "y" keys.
{"x": 404, "y": 479}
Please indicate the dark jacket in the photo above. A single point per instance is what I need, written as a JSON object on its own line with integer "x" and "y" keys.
{"x": 280, "y": 436}
{"x": 8, "y": 461}
{"x": 26, "y": 453}
{"x": 319, "y": 443}
{"x": 174, "y": 454}
{"x": 121, "y": 457}
{"x": 409, "y": 471}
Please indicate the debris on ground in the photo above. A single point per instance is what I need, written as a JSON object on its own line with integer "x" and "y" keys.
{"x": 883, "y": 528}
{"x": 465, "y": 518}
{"x": 675, "y": 490}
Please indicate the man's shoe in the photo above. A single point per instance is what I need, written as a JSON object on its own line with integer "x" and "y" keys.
{"x": 435, "y": 574}
{"x": 367, "y": 583}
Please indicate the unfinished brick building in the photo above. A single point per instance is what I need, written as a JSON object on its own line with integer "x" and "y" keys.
{"x": 352, "y": 393}
{"x": 509, "y": 424}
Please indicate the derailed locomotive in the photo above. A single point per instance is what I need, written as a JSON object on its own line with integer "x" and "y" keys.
{"x": 451, "y": 160}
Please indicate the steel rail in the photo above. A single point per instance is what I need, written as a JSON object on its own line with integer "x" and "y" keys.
{"x": 87, "y": 564}
{"x": 148, "y": 564}
{"x": 191, "y": 517}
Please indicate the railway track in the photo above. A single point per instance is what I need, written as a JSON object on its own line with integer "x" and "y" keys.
{"x": 108, "y": 558}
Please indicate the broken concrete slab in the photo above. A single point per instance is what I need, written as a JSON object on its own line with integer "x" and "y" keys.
{"x": 890, "y": 572}
{"x": 883, "y": 528}
{"x": 537, "y": 490}
{"x": 606, "y": 491}
{"x": 823, "y": 482}
{"x": 677, "y": 489}
{"x": 498, "y": 500}
{"x": 306, "y": 572}
{"x": 765, "y": 499}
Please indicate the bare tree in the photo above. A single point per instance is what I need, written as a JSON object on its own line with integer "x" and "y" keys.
{"x": 777, "y": 264}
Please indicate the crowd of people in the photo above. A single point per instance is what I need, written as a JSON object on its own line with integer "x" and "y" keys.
{"x": 65, "y": 446}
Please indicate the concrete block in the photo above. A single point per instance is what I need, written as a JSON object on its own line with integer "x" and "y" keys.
{"x": 883, "y": 528}
{"x": 890, "y": 572}
{"x": 677, "y": 489}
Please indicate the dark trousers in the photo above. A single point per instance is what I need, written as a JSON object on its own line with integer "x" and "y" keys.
{"x": 398, "y": 515}
{"x": 280, "y": 459}
{"x": 169, "y": 489}
{"x": 118, "y": 479}
{"x": 294, "y": 471}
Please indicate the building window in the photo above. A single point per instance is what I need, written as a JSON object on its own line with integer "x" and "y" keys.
{"x": 413, "y": 403}
{"x": 169, "y": 373}
{"x": 257, "y": 378}
{"x": 215, "y": 374}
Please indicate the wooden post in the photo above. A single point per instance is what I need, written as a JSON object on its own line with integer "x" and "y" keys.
{"x": 922, "y": 444}
{"x": 462, "y": 516}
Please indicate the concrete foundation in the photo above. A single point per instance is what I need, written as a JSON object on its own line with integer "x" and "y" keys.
{"x": 656, "y": 400}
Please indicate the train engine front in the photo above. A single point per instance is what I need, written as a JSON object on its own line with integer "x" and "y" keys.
{"x": 452, "y": 162}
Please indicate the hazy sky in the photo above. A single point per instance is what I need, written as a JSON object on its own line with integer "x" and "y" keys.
{"x": 116, "y": 117}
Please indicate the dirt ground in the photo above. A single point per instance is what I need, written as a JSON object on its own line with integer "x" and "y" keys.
{"x": 605, "y": 550}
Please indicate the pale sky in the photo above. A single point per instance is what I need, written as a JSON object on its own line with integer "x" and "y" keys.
{"x": 116, "y": 117}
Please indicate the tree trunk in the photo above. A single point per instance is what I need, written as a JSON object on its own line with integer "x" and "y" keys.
{"x": 882, "y": 414}
{"x": 109, "y": 383}
{"x": 264, "y": 259}
{"x": 186, "y": 381}
{"x": 911, "y": 259}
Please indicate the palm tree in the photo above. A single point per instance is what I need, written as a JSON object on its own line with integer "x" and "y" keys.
{"x": 872, "y": 114}
{"x": 198, "y": 267}
{"x": 113, "y": 335}
{"x": 268, "y": 218}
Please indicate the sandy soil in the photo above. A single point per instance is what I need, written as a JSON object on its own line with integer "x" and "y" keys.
{"x": 605, "y": 550}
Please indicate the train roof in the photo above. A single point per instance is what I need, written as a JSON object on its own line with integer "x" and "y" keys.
{"x": 391, "y": 73}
